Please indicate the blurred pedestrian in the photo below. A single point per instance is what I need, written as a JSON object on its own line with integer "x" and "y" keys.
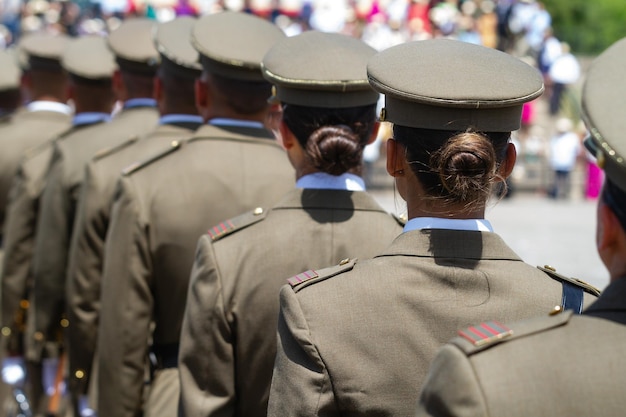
{"x": 564, "y": 71}
{"x": 564, "y": 151}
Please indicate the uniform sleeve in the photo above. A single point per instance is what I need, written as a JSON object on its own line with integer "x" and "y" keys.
{"x": 19, "y": 236}
{"x": 126, "y": 308}
{"x": 451, "y": 388}
{"x": 301, "y": 384}
{"x": 206, "y": 359}
{"x": 84, "y": 278}
{"x": 50, "y": 253}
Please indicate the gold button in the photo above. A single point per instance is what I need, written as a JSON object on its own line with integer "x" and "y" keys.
{"x": 551, "y": 268}
{"x": 344, "y": 261}
{"x": 174, "y": 143}
{"x": 6, "y": 331}
{"x": 556, "y": 310}
{"x": 257, "y": 211}
{"x": 79, "y": 374}
{"x": 38, "y": 336}
{"x": 24, "y": 304}
{"x": 64, "y": 322}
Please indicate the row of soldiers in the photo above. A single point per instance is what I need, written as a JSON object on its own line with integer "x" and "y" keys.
{"x": 106, "y": 287}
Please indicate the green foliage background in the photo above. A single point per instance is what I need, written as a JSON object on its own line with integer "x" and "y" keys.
{"x": 589, "y": 26}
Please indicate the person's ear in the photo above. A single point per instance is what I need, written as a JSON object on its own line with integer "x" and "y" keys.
{"x": 374, "y": 133}
{"x": 287, "y": 138}
{"x": 606, "y": 229}
{"x": 508, "y": 163}
{"x": 157, "y": 89}
{"x": 201, "y": 89}
{"x": 119, "y": 88}
{"x": 395, "y": 158}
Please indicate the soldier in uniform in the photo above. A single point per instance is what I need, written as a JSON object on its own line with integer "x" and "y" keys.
{"x": 231, "y": 165}
{"x": 60, "y": 196}
{"x": 31, "y": 129}
{"x": 174, "y": 91}
{"x": 228, "y": 341}
{"x": 391, "y": 313}
{"x": 558, "y": 364}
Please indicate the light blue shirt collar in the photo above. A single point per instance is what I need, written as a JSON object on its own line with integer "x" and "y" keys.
{"x": 43, "y": 105}
{"x": 139, "y": 102}
{"x": 222, "y": 121}
{"x": 322, "y": 180}
{"x": 180, "y": 118}
{"x": 88, "y": 118}
{"x": 476, "y": 225}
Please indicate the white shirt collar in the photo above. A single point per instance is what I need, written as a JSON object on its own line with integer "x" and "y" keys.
{"x": 43, "y": 105}
{"x": 419, "y": 223}
{"x": 322, "y": 180}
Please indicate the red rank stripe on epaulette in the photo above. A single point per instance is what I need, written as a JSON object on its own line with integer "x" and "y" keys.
{"x": 220, "y": 229}
{"x": 485, "y": 333}
{"x": 304, "y": 276}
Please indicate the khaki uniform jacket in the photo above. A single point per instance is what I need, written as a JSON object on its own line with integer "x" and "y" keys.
{"x": 20, "y": 230}
{"x": 22, "y": 131}
{"x": 58, "y": 207}
{"x": 358, "y": 339}
{"x": 162, "y": 209}
{"x": 560, "y": 365}
{"x": 87, "y": 247}
{"x": 228, "y": 341}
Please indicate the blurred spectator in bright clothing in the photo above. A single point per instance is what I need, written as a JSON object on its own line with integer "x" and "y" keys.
{"x": 564, "y": 71}
{"x": 564, "y": 150}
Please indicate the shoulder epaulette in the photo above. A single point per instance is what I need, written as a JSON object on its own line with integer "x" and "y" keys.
{"x": 401, "y": 219}
{"x": 28, "y": 153}
{"x": 485, "y": 335}
{"x": 574, "y": 281}
{"x": 304, "y": 279}
{"x": 115, "y": 148}
{"x": 242, "y": 221}
{"x": 136, "y": 166}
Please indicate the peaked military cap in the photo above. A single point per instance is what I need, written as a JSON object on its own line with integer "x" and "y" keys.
{"x": 42, "y": 51}
{"x": 603, "y": 107}
{"x": 133, "y": 46}
{"x": 89, "y": 57}
{"x": 452, "y": 85}
{"x": 9, "y": 70}
{"x": 232, "y": 44}
{"x": 320, "y": 70}
{"x": 173, "y": 42}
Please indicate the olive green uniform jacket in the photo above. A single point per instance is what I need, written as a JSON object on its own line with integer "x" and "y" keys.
{"x": 228, "y": 342}
{"x": 20, "y": 132}
{"x": 357, "y": 339}
{"x": 560, "y": 365}
{"x": 20, "y": 230}
{"x": 88, "y": 238}
{"x": 58, "y": 208}
{"x": 163, "y": 207}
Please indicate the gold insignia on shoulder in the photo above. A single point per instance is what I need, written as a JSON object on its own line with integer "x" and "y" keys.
{"x": 556, "y": 310}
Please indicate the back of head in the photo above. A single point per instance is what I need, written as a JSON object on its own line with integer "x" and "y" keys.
{"x": 42, "y": 65}
{"x": 179, "y": 67}
{"x": 603, "y": 112}
{"x": 321, "y": 83}
{"x": 231, "y": 46}
{"x": 90, "y": 65}
{"x": 453, "y": 106}
{"x": 132, "y": 44}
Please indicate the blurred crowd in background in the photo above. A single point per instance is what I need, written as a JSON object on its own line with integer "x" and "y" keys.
{"x": 548, "y": 157}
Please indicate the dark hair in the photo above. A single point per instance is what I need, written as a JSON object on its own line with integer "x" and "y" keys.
{"x": 615, "y": 198}
{"x": 179, "y": 91}
{"x": 454, "y": 167}
{"x": 244, "y": 97}
{"x": 138, "y": 84}
{"x": 333, "y": 139}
